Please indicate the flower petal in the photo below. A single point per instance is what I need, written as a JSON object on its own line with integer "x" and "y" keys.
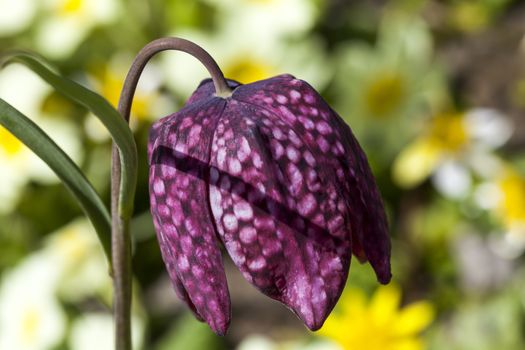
{"x": 408, "y": 344}
{"x": 276, "y": 212}
{"x": 414, "y": 318}
{"x": 171, "y": 266}
{"x": 371, "y": 227}
{"x": 337, "y": 152}
{"x": 385, "y": 303}
{"x": 416, "y": 162}
{"x": 180, "y": 151}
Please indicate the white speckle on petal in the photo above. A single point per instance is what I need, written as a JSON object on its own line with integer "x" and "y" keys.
{"x": 309, "y": 158}
{"x": 281, "y": 99}
{"x": 323, "y": 144}
{"x": 244, "y": 150}
{"x": 257, "y": 161}
{"x": 307, "y": 205}
{"x": 183, "y": 263}
{"x": 323, "y": 128}
{"x": 230, "y": 222}
{"x": 234, "y": 166}
{"x": 292, "y": 153}
{"x": 248, "y": 235}
{"x": 278, "y": 134}
{"x": 158, "y": 187}
{"x": 309, "y": 98}
{"x": 295, "y": 95}
{"x": 277, "y": 149}
{"x": 243, "y": 210}
{"x": 215, "y": 201}
{"x": 257, "y": 263}
{"x": 221, "y": 157}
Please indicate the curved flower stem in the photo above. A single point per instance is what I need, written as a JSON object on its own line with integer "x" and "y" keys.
{"x": 163, "y": 44}
{"x": 121, "y": 239}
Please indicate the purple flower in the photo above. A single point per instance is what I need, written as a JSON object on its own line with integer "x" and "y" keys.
{"x": 277, "y": 176}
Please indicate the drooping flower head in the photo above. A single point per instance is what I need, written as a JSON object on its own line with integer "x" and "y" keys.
{"x": 275, "y": 175}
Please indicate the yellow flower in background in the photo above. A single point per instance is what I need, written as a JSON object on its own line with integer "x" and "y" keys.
{"x": 449, "y": 132}
{"x": 253, "y": 40}
{"x": 18, "y": 165}
{"x": 148, "y": 103}
{"x": 378, "y": 324}
{"x": 453, "y": 145}
{"x": 240, "y": 59}
{"x": 502, "y": 194}
{"x": 510, "y": 208}
{"x": 246, "y": 69}
{"x": 10, "y": 146}
{"x": 261, "y": 20}
{"x": 110, "y": 82}
{"x": 70, "y": 267}
{"x": 446, "y": 135}
{"x": 383, "y": 91}
{"x": 386, "y": 80}
{"x": 30, "y": 315}
{"x": 243, "y": 63}
{"x": 76, "y": 251}
{"x": 66, "y": 23}
{"x": 385, "y": 94}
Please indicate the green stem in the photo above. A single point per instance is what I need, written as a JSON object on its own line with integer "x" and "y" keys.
{"x": 121, "y": 240}
{"x": 121, "y": 259}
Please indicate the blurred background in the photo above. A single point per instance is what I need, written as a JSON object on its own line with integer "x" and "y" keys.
{"x": 434, "y": 91}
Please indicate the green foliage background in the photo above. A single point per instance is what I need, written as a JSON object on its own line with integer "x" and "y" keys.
{"x": 434, "y": 90}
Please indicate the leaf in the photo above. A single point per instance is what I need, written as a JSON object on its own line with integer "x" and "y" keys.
{"x": 46, "y": 149}
{"x": 100, "y": 107}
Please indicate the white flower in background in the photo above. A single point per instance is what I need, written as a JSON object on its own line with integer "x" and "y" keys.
{"x": 246, "y": 60}
{"x": 271, "y": 42}
{"x": 480, "y": 267}
{"x": 148, "y": 103}
{"x": 72, "y": 265}
{"x": 67, "y": 22}
{"x": 27, "y": 92}
{"x": 13, "y": 156}
{"x": 30, "y": 316}
{"x": 264, "y": 19}
{"x": 260, "y": 342}
{"x": 15, "y": 16}
{"x": 453, "y": 147}
{"x": 257, "y": 342}
{"x": 503, "y": 195}
{"x": 95, "y": 331}
{"x": 385, "y": 91}
{"x": 452, "y": 179}
{"x": 78, "y": 255}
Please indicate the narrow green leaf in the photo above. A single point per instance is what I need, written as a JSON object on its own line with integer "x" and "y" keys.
{"x": 100, "y": 107}
{"x": 41, "y": 144}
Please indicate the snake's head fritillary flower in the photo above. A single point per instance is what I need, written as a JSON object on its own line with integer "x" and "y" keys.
{"x": 275, "y": 175}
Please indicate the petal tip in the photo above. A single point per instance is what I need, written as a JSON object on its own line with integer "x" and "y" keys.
{"x": 384, "y": 275}
{"x": 313, "y": 317}
{"x": 316, "y": 325}
{"x": 218, "y": 322}
{"x": 219, "y": 319}
{"x": 220, "y": 329}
